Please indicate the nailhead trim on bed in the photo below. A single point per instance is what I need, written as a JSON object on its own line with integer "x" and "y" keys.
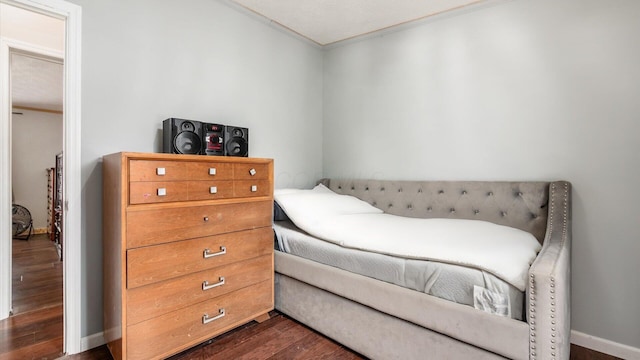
{"x": 552, "y": 291}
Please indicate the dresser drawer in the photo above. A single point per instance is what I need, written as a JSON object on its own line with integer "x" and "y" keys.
{"x": 151, "y": 170}
{"x": 248, "y": 188}
{"x": 178, "y": 330}
{"x": 157, "y": 191}
{"x": 155, "y": 226}
{"x": 156, "y": 170}
{"x": 169, "y": 191}
{"x": 250, "y": 171}
{"x": 151, "y": 264}
{"x": 160, "y": 298}
{"x": 209, "y": 171}
{"x": 209, "y": 190}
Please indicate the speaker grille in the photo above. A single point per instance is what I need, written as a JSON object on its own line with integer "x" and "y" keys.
{"x": 181, "y": 136}
{"x": 187, "y": 142}
{"x": 237, "y": 141}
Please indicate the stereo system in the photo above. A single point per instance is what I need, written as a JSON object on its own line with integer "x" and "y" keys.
{"x": 213, "y": 143}
{"x": 181, "y": 136}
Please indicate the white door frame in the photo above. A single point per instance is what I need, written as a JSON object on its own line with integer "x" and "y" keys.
{"x": 7, "y": 48}
{"x": 72, "y": 14}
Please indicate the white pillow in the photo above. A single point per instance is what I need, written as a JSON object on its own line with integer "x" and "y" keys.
{"x": 322, "y": 189}
{"x": 306, "y": 206}
{"x": 317, "y": 188}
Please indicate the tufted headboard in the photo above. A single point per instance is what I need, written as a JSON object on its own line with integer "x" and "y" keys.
{"x": 522, "y": 205}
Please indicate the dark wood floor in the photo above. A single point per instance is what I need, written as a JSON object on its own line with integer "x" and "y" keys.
{"x": 282, "y": 338}
{"x": 35, "y": 329}
{"x": 277, "y": 338}
{"x": 36, "y": 274}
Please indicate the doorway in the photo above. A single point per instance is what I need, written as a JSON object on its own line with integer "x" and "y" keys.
{"x": 70, "y": 14}
{"x": 37, "y": 104}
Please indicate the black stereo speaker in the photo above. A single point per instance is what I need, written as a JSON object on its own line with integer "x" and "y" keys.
{"x": 236, "y": 141}
{"x": 182, "y": 136}
{"x": 213, "y": 139}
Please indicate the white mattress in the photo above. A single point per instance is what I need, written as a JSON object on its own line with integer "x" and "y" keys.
{"x": 456, "y": 283}
{"x": 350, "y": 222}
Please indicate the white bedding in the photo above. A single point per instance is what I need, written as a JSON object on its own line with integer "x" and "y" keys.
{"x": 459, "y": 284}
{"x": 349, "y": 222}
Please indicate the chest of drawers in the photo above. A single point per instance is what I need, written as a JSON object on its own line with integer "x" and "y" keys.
{"x": 187, "y": 249}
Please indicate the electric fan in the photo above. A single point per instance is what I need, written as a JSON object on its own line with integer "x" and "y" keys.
{"x": 22, "y": 222}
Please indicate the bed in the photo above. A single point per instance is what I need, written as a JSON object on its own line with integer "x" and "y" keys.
{"x": 409, "y": 300}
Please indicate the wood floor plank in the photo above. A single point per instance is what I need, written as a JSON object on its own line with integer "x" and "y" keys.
{"x": 312, "y": 346}
{"x": 265, "y": 348}
{"x": 243, "y": 334}
{"x": 31, "y": 317}
{"x": 265, "y": 335}
{"x": 37, "y": 278}
{"x": 50, "y": 349}
{"x": 35, "y": 330}
{"x": 580, "y": 353}
{"x": 98, "y": 353}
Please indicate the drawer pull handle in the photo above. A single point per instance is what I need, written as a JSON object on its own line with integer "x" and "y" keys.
{"x": 206, "y": 319}
{"x": 213, "y": 190}
{"x": 160, "y": 171}
{"x": 162, "y": 191}
{"x": 207, "y": 253}
{"x": 254, "y": 188}
{"x": 206, "y": 218}
{"x": 252, "y": 171}
{"x": 212, "y": 171}
{"x": 207, "y": 286}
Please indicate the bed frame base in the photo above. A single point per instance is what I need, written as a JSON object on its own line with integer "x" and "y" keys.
{"x": 364, "y": 330}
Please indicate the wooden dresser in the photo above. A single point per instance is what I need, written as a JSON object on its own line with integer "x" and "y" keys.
{"x": 188, "y": 249}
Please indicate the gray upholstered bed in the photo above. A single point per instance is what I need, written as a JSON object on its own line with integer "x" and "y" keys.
{"x": 384, "y": 321}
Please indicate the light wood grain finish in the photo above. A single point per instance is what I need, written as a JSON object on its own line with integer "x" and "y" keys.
{"x": 248, "y": 188}
{"x": 204, "y": 170}
{"x": 146, "y": 265}
{"x": 142, "y": 170}
{"x": 158, "y": 282}
{"x": 157, "y": 226}
{"x": 114, "y": 172}
{"x": 149, "y": 192}
{"x": 250, "y": 171}
{"x": 210, "y": 190}
{"x": 160, "y": 336}
{"x": 150, "y": 301}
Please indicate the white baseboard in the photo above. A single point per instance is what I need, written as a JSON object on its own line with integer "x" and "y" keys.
{"x": 604, "y": 346}
{"x": 92, "y": 341}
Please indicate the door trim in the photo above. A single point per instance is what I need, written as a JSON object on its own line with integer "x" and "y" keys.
{"x": 72, "y": 255}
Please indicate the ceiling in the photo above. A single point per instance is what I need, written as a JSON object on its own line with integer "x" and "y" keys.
{"x": 326, "y": 22}
{"x": 36, "y": 81}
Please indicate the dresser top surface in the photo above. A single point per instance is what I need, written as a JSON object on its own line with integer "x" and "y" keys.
{"x": 185, "y": 157}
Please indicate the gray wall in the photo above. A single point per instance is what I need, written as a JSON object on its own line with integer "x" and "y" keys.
{"x": 144, "y": 61}
{"x": 526, "y": 90}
